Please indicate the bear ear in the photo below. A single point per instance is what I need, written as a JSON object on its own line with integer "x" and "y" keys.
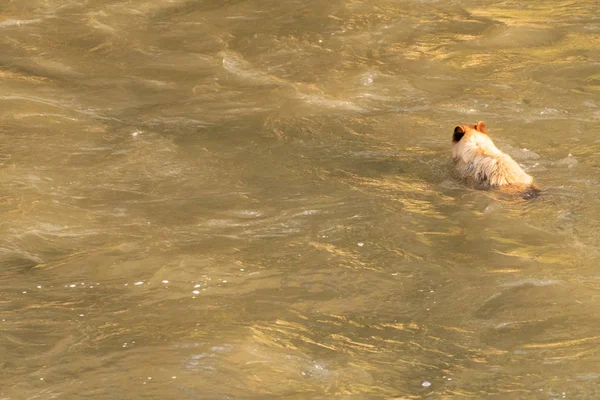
{"x": 481, "y": 127}
{"x": 459, "y": 129}
{"x": 459, "y": 132}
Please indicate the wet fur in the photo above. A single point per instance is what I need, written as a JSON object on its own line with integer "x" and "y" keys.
{"x": 481, "y": 163}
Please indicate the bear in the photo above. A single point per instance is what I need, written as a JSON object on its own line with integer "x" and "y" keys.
{"x": 482, "y": 164}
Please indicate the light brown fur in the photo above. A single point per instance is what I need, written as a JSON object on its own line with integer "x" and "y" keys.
{"x": 479, "y": 161}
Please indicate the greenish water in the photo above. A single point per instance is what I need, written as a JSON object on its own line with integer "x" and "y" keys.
{"x": 255, "y": 200}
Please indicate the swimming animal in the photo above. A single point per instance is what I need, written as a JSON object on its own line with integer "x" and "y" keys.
{"x": 481, "y": 163}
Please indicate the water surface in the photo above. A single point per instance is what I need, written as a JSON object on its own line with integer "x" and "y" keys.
{"x": 255, "y": 200}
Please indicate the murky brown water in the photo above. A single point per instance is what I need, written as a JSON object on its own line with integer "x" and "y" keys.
{"x": 255, "y": 200}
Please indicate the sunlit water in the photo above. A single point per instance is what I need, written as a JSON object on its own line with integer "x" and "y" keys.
{"x": 255, "y": 200}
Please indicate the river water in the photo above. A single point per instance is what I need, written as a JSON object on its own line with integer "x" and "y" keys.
{"x": 255, "y": 200}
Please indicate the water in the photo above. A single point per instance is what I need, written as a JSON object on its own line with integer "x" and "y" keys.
{"x": 255, "y": 200}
